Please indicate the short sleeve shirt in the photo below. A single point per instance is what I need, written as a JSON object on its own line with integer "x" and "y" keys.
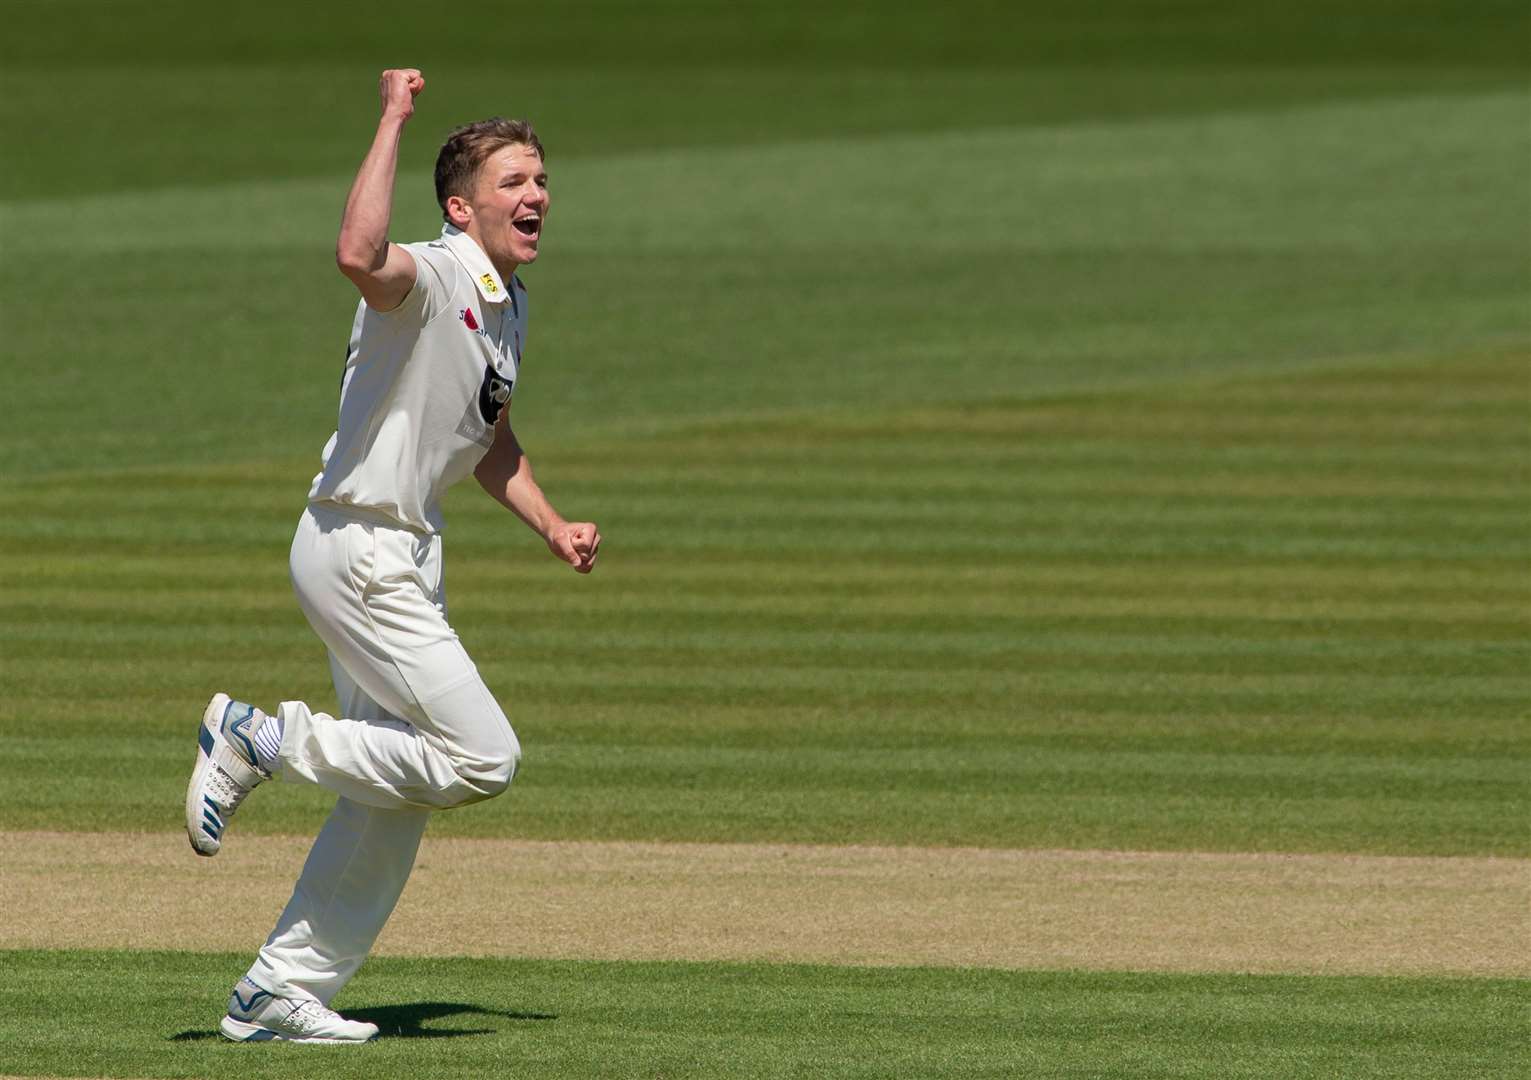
{"x": 423, "y": 386}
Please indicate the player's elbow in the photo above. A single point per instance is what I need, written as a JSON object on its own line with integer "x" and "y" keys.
{"x": 355, "y": 259}
{"x": 349, "y": 264}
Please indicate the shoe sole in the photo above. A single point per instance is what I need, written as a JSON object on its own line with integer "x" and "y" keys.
{"x": 196, "y": 810}
{"x": 240, "y": 1031}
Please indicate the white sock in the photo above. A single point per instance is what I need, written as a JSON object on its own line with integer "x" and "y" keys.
{"x": 268, "y": 742}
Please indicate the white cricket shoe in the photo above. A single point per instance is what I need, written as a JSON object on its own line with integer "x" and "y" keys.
{"x": 226, "y": 770}
{"x": 257, "y": 1015}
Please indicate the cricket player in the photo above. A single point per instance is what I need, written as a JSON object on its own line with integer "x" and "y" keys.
{"x": 435, "y": 352}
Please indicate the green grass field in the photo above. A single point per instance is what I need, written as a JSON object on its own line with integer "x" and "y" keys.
{"x": 1207, "y": 618}
{"x": 577, "y": 1020}
{"x": 1037, "y": 429}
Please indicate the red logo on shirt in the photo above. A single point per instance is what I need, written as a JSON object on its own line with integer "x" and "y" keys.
{"x": 467, "y": 317}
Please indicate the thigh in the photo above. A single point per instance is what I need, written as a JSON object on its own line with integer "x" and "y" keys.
{"x": 332, "y": 564}
{"x": 408, "y": 618}
{"x": 355, "y": 703}
{"x": 374, "y": 597}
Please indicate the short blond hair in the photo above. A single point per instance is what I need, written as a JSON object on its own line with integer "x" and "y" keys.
{"x": 468, "y": 147}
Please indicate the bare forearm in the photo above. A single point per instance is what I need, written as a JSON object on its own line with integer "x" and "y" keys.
{"x": 363, "y": 241}
{"x": 526, "y": 500}
{"x": 506, "y": 474}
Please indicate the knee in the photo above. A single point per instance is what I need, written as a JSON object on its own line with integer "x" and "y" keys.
{"x": 491, "y": 775}
{"x": 496, "y": 779}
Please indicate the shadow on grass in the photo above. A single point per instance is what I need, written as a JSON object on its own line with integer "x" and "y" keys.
{"x": 407, "y": 1021}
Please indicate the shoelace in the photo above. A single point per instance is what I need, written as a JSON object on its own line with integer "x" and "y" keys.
{"x": 225, "y": 792}
{"x": 307, "y": 1015}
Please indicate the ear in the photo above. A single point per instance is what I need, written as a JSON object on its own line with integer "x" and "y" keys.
{"x": 459, "y": 212}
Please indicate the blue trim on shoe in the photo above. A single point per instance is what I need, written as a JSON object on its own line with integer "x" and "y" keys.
{"x": 247, "y": 1006}
{"x": 205, "y": 739}
{"x": 212, "y": 823}
{"x": 234, "y": 729}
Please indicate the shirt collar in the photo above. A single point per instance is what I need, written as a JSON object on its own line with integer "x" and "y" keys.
{"x": 473, "y": 260}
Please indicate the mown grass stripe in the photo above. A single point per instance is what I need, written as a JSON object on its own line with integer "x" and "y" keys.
{"x": 966, "y": 662}
{"x": 448, "y": 1018}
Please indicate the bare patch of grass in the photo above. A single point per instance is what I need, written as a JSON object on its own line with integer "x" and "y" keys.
{"x": 1093, "y": 910}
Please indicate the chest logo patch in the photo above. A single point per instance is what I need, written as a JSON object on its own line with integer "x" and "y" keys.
{"x": 467, "y": 318}
{"x": 494, "y": 394}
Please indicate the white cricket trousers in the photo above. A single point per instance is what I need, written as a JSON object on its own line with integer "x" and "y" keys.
{"x": 418, "y": 731}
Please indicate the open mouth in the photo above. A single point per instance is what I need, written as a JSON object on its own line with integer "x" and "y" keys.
{"x": 528, "y": 226}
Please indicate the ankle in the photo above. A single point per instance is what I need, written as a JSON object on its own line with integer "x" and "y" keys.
{"x": 268, "y": 742}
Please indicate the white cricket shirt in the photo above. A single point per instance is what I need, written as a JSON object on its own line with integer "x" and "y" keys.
{"x": 423, "y": 386}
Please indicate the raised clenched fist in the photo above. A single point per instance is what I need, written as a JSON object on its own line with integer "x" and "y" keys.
{"x": 398, "y": 88}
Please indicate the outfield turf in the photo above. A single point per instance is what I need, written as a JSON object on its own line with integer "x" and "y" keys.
{"x": 1011, "y": 426}
{"x": 1248, "y": 615}
{"x": 530, "y": 1018}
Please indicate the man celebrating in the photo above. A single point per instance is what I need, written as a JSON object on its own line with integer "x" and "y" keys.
{"x": 434, "y": 354}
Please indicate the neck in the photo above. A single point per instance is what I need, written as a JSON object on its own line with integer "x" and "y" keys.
{"x": 503, "y": 267}
{"x": 506, "y": 270}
